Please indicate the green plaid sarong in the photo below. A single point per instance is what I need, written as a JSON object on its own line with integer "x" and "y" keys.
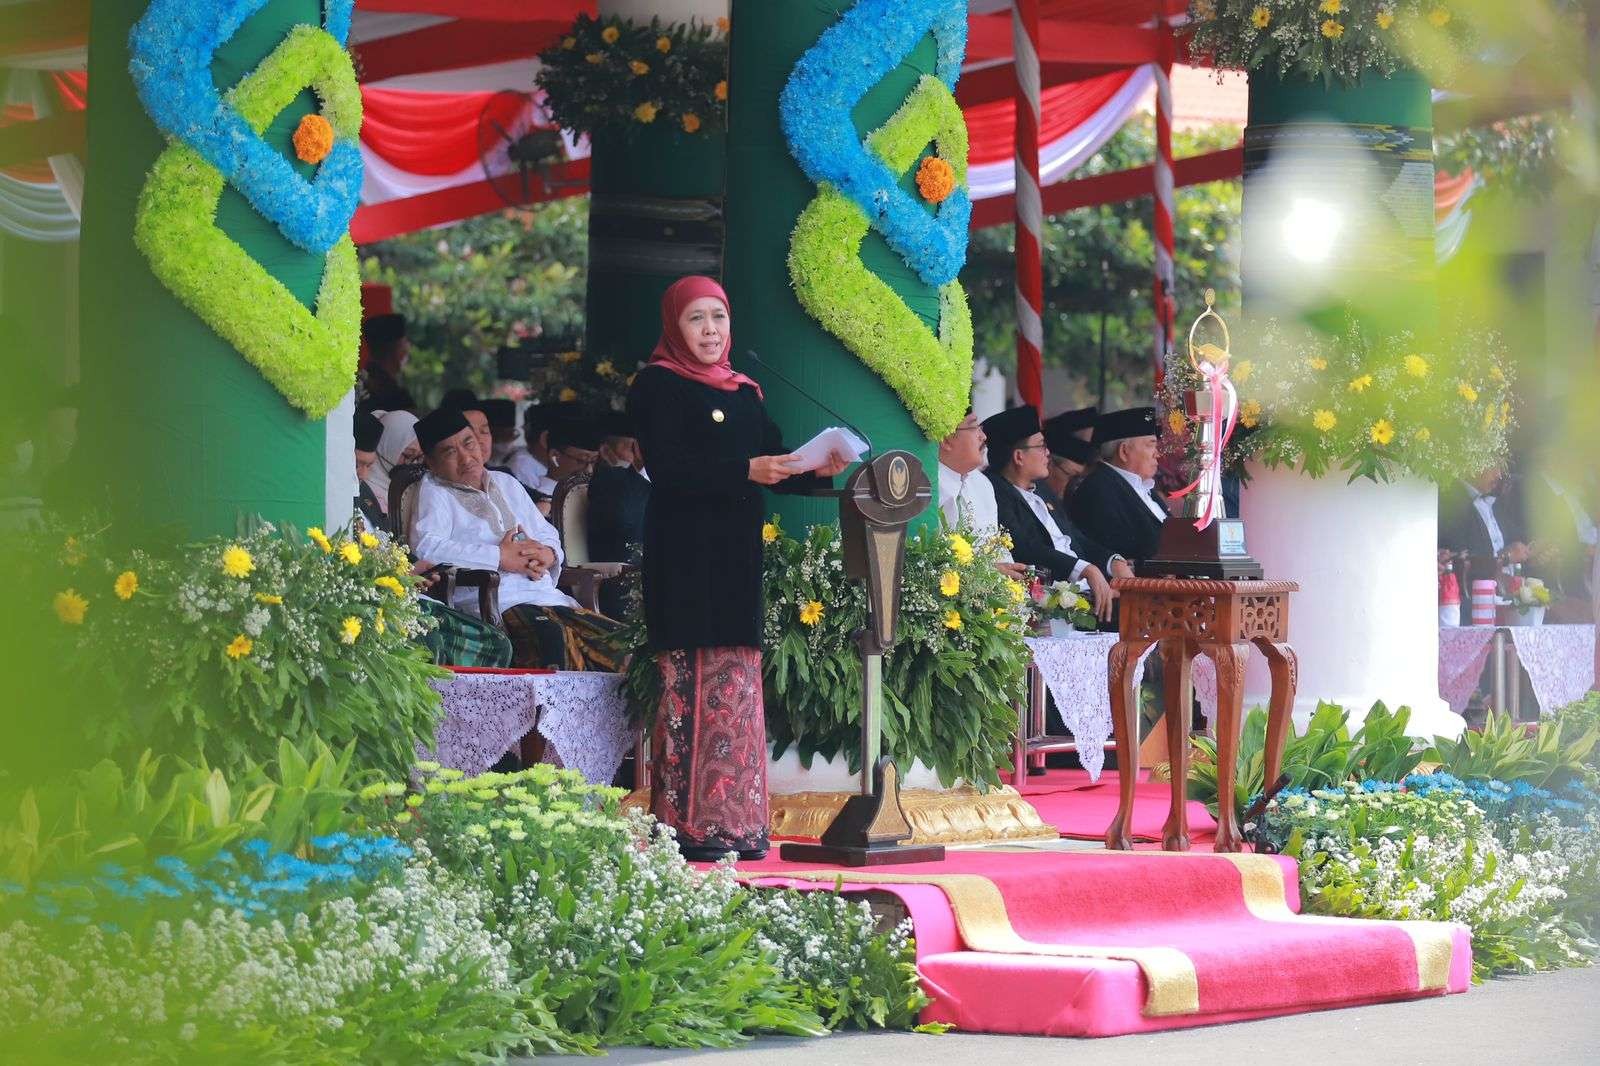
{"x": 462, "y": 640}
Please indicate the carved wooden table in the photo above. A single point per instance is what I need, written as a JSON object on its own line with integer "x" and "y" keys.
{"x": 1186, "y": 617}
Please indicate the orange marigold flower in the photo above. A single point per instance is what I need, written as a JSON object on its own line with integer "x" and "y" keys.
{"x": 691, "y": 122}
{"x": 722, "y": 90}
{"x": 936, "y": 180}
{"x": 313, "y": 139}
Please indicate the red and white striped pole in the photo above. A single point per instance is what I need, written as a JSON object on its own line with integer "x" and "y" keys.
{"x": 1029, "y": 204}
{"x": 1165, "y": 241}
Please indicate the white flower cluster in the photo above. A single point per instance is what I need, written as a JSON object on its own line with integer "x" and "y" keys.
{"x": 307, "y": 975}
{"x": 816, "y": 937}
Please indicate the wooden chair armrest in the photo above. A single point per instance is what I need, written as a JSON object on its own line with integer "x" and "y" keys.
{"x": 487, "y": 582}
{"x": 582, "y": 581}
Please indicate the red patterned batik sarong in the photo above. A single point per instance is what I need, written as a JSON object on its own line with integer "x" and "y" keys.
{"x": 709, "y": 749}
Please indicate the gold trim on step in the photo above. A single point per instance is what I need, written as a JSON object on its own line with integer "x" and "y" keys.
{"x": 950, "y": 816}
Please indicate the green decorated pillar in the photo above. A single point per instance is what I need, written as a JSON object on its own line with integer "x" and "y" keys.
{"x": 220, "y": 312}
{"x": 860, "y": 310}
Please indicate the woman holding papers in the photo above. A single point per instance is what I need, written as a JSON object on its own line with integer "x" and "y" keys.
{"x": 710, "y": 448}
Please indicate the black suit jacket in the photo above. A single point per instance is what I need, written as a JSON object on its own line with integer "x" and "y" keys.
{"x": 618, "y": 496}
{"x": 1031, "y": 542}
{"x": 1108, "y": 510}
{"x": 1461, "y": 528}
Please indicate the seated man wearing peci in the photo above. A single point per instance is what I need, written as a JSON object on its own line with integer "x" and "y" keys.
{"x": 469, "y": 516}
{"x": 1117, "y": 503}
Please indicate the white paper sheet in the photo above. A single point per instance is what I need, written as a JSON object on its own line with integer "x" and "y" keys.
{"x": 815, "y": 453}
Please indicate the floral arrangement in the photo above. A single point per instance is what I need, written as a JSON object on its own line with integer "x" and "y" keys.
{"x": 613, "y": 74}
{"x": 1438, "y": 408}
{"x": 599, "y": 383}
{"x": 220, "y": 648}
{"x": 1519, "y": 874}
{"x": 1063, "y": 601}
{"x": 1324, "y": 40}
{"x": 815, "y": 108}
{"x": 309, "y": 357}
{"x": 950, "y": 681}
{"x": 931, "y": 373}
{"x": 1529, "y": 593}
{"x": 171, "y": 48}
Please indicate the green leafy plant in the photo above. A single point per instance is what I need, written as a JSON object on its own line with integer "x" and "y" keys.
{"x": 1326, "y": 754}
{"x": 215, "y": 650}
{"x": 617, "y": 74}
{"x": 1552, "y": 754}
{"x": 950, "y": 682}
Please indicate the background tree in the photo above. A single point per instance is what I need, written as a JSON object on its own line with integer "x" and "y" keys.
{"x": 516, "y": 276}
{"x": 1100, "y": 260}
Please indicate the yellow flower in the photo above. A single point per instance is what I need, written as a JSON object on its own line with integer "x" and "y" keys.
{"x": 593, "y": 57}
{"x": 1082, "y": 604}
{"x": 610, "y": 34}
{"x": 71, "y": 607}
{"x": 639, "y": 67}
{"x": 1316, "y": 362}
{"x": 1324, "y": 420}
{"x": 769, "y": 533}
{"x": 1488, "y": 415}
{"x": 349, "y": 630}
{"x": 1242, "y": 370}
{"x": 1439, "y": 17}
{"x": 268, "y": 598}
{"x": 569, "y": 43}
{"x": 1005, "y": 540}
{"x": 1423, "y": 435}
{"x": 1331, "y": 7}
{"x": 350, "y": 553}
{"x": 1332, "y": 30}
{"x": 1385, "y": 19}
{"x": 570, "y": 357}
{"x": 604, "y": 368}
{"x": 1261, "y": 17}
{"x": 1250, "y": 414}
{"x": 71, "y": 552}
{"x": 1361, "y": 383}
{"x": 1505, "y": 413}
{"x": 949, "y": 583}
{"x": 663, "y": 45}
{"x": 721, "y": 91}
{"x": 127, "y": 584}
{"x": 368, "y": 540}
{"x": 391, "y": 583}
{"x": 320, "y": 539}
{"x": 961, "y": 548}
{"x": 645, "y": 112}
{"x": 236, "y": 562}
{"x": 952, "y": 619}
{"x": 1416, "y": 366}
{"x": 691, "y": 122}
{"x": 1175, "y": 421}
{"x": 239, "y": 647}
{"x": 1018, "y": 591}
{"x": 1381, "y": 432}
{"x": 811, "y": 613}
{"x": 1496, "y": 374}
{"x": 379, "y": 624}
{"x": 1468, "y": 393}
{"x": 568, "y": 395}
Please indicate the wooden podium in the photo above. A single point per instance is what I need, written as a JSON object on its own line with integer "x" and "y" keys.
{"x": 1188, "y": 616}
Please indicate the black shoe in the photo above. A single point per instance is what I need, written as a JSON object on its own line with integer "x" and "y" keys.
{"x": 752, "y": 855}
{"x": 704, "y": 852}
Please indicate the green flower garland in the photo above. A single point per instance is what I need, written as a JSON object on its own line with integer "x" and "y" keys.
{"x": 310, "y": 359}
{"x": 931, "y": 374}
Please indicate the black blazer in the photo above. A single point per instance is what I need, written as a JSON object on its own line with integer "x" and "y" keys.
{"x": 702, "y": 525}
{"x": 1030, "y": 541}
{"x": 1462, "y": 529}
{"x": 1109, "y": 510}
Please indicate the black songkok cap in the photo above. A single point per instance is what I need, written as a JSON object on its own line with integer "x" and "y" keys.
{"x": 615, "y": 424}
{"x": 575, "y": 432}
{"x": 1120, "y": 425}
{"x": 443, "y": 423}
{"x": 1071, "y": 421}
{"x": 462, "y": 400}
{"x": 1067, "y": 446}
{"x": 382, "y": 330}
{"x": 368, "y": 431}
{"x": 542, "y": 416}
{"x": 1008, "y": 429}
{"x": 502, "y": 414}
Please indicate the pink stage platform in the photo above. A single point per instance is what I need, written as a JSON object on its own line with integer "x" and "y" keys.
{"x": 1097, "y": 943}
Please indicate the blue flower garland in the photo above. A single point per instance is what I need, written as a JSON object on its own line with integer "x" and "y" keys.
{"x": 172, "y": 47}
{"x": 850, "y": 57}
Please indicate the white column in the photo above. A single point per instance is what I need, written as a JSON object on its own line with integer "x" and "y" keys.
{"x": 339, "y": 477}
{"x": 1365, "y": 622}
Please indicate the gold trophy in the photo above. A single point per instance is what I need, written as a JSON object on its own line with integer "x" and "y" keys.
{"x": 1202, "y": 541}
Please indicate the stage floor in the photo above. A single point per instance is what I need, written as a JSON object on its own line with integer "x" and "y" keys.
{"x": 1068, "y": 939}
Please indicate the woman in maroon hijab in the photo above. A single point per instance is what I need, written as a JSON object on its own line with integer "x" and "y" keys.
{"x": 710, "y": 448}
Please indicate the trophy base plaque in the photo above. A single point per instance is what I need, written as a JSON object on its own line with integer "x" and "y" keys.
{"x": 1216, "y": 553}
{"x": 871, "y": 830}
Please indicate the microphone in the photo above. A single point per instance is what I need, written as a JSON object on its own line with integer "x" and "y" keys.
{"x": 843, "y": 421}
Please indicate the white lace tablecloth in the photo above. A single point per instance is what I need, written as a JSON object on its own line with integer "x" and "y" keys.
{"x": 1074, "y": 670}
{"x": 1463, "y": 651}
{"x": 1559, "y": 661}
{"x": 582, "y": 717}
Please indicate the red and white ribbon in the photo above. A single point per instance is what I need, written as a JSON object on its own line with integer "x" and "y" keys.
{"x": 1165, "y": 240}
{"x": 1224, "y": 416}
{"x": 1029, "y": 205}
